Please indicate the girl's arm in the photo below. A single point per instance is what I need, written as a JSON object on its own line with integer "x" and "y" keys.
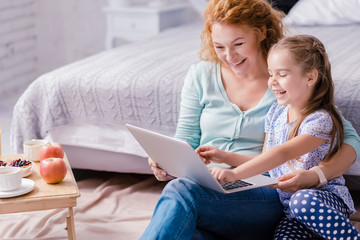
{"x": 278, "y": 155}
{"x": 302, "y": 179}
{"x": 212, "y": 154}
{"x": 336, "y": 166}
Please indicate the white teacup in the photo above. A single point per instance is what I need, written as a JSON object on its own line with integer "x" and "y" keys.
{"x": 31, "y": 149}
{"x": 10, "y": 178}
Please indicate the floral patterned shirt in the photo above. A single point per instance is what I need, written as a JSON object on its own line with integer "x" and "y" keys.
{"x": 318, "y": 124}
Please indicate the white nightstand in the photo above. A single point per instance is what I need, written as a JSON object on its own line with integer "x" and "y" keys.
{"x": 133, "y": 23}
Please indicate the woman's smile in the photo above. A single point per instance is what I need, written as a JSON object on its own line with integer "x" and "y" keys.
{"x": 238, "y": 63}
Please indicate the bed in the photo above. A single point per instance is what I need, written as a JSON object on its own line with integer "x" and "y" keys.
{"x": 84, "y": 105}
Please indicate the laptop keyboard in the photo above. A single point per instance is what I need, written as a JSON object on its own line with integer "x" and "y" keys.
{"x": 235, "y": 184}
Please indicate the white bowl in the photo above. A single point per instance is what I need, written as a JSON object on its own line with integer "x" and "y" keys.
{"x": 25, "y": 170}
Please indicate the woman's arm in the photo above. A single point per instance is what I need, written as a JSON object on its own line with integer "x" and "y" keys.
{"x": 346, "y": 156}
{"x": 339, "y": 163}
{"x": 188, "y": 128}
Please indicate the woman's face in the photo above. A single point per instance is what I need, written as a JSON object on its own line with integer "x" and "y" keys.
{"x": 238, "y": 47}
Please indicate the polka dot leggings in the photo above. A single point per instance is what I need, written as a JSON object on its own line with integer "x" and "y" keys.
{"x": 318, "y": 215}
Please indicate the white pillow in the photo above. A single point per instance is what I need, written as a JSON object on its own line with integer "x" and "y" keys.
{"x": 199, "y": 5}
{"x": 324, "y": 12}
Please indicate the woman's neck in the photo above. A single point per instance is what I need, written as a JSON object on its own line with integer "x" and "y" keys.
{"x": 245, "y": 91}
{"x": 260, "y": 75}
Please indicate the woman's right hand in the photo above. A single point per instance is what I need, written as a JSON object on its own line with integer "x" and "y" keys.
{"x": 160, "y": 174}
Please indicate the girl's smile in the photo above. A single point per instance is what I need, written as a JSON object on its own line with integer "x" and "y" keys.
{"x": 279, "y": 93}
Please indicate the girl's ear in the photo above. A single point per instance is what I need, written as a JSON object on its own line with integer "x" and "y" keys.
{"x": 312, "y": 77}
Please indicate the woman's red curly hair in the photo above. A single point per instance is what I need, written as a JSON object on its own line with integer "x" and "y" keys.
{"x": 253, "y": 13}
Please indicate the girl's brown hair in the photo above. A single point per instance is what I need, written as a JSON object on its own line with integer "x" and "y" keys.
{"x": 255, "y": 14}
{"x": 309, "y": 53}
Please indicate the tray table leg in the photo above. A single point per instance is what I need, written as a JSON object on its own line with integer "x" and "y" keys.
{"x": 70, "y": 225}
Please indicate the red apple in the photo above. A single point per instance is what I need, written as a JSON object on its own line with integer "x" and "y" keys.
{"x": 51, "y": 150}
{"x": 53, "y": 170}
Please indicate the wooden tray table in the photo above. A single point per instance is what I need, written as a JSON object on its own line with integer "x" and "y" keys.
{"x": 45, "y": 196}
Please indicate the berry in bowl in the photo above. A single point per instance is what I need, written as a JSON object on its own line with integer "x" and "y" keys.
{"x": 25, "y": 166}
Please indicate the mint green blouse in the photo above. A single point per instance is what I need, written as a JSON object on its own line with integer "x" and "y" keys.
{"x": 207, "y": 117}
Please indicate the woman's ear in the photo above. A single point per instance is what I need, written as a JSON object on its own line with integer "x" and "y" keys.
{"x": 262, "y": 35}
{"x": 312, "y": 77}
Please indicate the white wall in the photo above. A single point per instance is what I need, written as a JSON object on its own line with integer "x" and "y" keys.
{"x": 18, "y": 37}
{"x": 37, "y": 36}
{"x": 68, "y": 30}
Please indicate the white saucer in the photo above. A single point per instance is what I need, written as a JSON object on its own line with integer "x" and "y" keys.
{"x": 27, "y": 185}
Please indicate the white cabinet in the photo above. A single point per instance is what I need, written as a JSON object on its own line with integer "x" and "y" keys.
{"x": 134, "y": 23}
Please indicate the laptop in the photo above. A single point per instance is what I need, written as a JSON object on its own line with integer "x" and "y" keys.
{"x": 179, "y": 159}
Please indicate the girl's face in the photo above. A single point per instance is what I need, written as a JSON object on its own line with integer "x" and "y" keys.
{"x": 238, "y": 47}
{"x": 288, "y": 80}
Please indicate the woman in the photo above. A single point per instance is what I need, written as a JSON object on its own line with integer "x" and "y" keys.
{"x": 224, "y": 102}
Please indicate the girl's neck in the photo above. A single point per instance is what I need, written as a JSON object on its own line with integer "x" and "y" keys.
{"x": 293, "y": 114}
{"x": 296, "y": 109}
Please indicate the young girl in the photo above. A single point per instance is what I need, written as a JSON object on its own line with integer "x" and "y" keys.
{"x": 302, "y": 129}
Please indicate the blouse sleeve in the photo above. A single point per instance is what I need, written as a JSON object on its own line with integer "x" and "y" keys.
{"x": 318, "y": 124}
{"x": 188, "y": 127}
{"x": 269, "y": 117}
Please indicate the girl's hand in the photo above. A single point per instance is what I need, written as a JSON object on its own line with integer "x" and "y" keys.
{"x": 211, "y": 154}
{"x": 223, "y": 175}
{"x": 159, "y": 173}
{"x": 296, "y": 180}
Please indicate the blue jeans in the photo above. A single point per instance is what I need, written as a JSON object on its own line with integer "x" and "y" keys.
{"x": 188, "y": 211}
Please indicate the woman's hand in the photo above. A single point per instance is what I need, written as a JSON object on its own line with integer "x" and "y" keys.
{"x": 211, "y": 154}
{"x": 223, "y": 175}
{"x": 159, "y": 173}
{"x": 296, "y": 180}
